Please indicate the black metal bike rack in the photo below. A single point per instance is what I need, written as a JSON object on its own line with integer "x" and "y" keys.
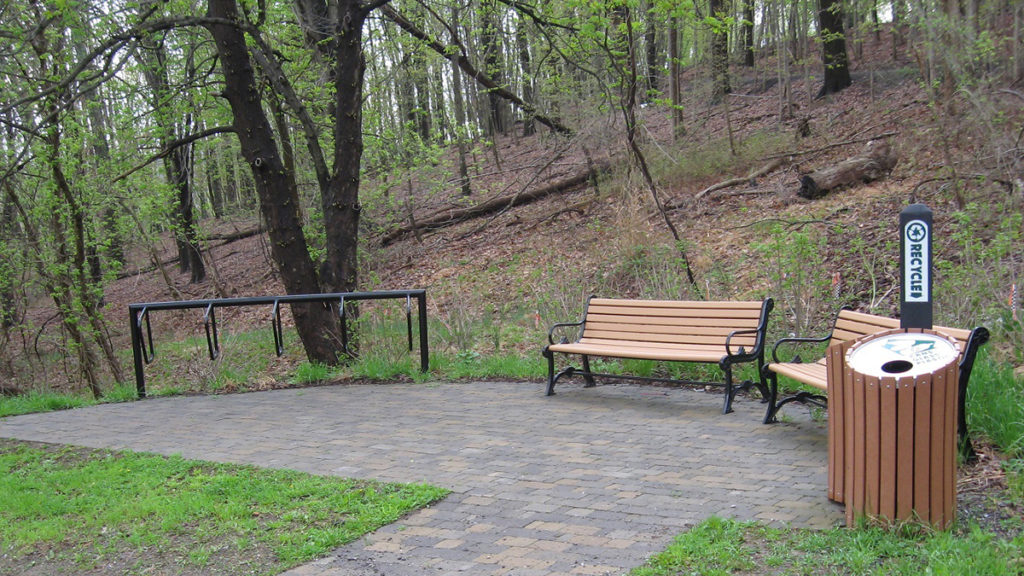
{"x": 143, "y": 351}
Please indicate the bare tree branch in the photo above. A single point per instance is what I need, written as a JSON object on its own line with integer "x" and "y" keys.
{"x": 457, "y": 54}
{"x": 174, "y": 146}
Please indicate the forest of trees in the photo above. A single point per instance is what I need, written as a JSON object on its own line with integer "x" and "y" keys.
{"x": 119, "y": 120}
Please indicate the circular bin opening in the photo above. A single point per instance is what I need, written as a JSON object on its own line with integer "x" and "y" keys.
{"x": 897, "y": 366}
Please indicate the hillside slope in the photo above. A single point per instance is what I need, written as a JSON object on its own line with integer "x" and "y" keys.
{"x": 533, "y": 264}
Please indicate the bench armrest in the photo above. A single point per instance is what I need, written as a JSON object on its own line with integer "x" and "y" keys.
{"x": 796, "y": 340}
{"x": 746, "y": 354}
{"x": 757, "y": 351}
{"x": 551, "y": 332}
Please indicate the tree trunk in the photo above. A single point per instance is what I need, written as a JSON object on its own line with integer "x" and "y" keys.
{"x": 490, "y": 41}
{"x": 276, "y": 189}
{"x": 340, "y": 201}
{"x": 460, "y": 119}
{"x": 674, "y": 78}
{"x": 529, "y": 92}
{"x": 177, "y": 164}
{"x": 748, "y": 33}
{"x": 8, "y": 294}
{"x": 837, "y": 69}
{"x": 179, "y": 171}
{"x": 215, "y": 181}
{"x": 719, "y": 51}
{"x": 652, "y": 53}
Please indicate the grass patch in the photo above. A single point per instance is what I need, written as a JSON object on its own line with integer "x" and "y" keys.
{"x": 312, "y": 373}
{"x": 995, "y": 404}
{"x": 73, "y": 509}
{"x": 723, "y": 547}
{"x": 470, "y": 364}
{"x": 38, "y": 401}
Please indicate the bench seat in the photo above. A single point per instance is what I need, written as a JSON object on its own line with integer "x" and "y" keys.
{"x": 850, "y": 325}
{"x": 625, "y": 350}
{"x": 716, "y": 332}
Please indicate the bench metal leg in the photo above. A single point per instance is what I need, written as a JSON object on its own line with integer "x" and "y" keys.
{"x": 773, "y": 396}
{"x": 587, "y": 377}
{"x": 551, "y": 370}
{"x": 552, "y": 377}
{"x": 774, "y": 404}
{"x": 729, "y": 392}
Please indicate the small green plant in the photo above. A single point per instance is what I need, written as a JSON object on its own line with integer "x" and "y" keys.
{"x": 469, "y": 364}
{"x": 39, "y": 402}
{"x": 649, "y": 271}
{"x": 1015, "y": 478}
{"x": 974, "y": 285}
{"x": 794, "y": 263}
{"x": 383, "y": 366}
{"x": 715, "y": 546}
{"x": 312, "y": 373}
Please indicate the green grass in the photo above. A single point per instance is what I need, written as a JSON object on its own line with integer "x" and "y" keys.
{"x": 35, "y": 401}
{"x": 66, "y": 506}
{"x": 313, "y": 373}
{"x": 995, "y": 404}
{"x": 718, "y": 547}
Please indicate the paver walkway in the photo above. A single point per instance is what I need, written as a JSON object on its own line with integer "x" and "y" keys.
{"x": 586, "y": 482}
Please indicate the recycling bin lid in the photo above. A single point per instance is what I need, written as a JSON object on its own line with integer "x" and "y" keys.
{"x": 902, "y": 354}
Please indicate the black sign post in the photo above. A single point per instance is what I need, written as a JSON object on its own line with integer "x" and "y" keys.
{"x": 916, "y": 260}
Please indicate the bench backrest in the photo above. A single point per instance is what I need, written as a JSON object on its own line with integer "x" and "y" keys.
{"x": 851, "y": 325}
{"x": 676, "y": 322}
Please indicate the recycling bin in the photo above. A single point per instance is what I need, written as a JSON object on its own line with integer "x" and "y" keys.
{"x": 892, "y": 426}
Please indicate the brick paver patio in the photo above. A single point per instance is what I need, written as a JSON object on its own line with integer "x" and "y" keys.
{"x": 587, "y": 482}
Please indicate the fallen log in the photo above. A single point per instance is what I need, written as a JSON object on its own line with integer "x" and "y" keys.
{"x": 10, "y": 390}
{"x": 453, "y": 217}
{"x": 769, "y": 167}
{"x": 876, "y": 162}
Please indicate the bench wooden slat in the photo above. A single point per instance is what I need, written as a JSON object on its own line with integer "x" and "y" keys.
{"x": 699, "y": 317}
{"x": 697, "y": 347}
{"x": 680, "y": 304}
{"x": 643, "y": 353}
{"x": 629, "y": 330}
{"x": 814, "y": 374}
{"x": 673, "y": 321}
{"x": 659, "y": 328}
{"x": 639, "y": 340}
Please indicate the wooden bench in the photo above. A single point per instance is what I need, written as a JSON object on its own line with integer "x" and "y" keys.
{"x": 723, "y": 333}
{"x": 850, "y": 325}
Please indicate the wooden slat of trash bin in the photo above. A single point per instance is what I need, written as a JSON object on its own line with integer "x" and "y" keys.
{"x": 836, "y": 423}
{"x": 856, "y": 468}
{"x": 923, "y": 435}
{"x": 905, "y": 449}
{"x": 888, "y": 434}
{"x": 944, "y": 502}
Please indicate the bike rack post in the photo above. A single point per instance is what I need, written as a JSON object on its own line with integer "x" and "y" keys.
{"x": 408, "y": 319}
{"x": 149, "y": 333}
{"x": 421, "y": 302}
{"x": 212, "y": 344}
{"x": 138, "y": 348}
{"x": 275, "y": 324}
